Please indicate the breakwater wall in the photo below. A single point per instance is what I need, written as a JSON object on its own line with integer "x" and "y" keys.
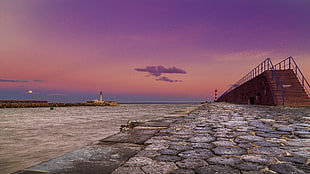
{"x": 33, "y": 104}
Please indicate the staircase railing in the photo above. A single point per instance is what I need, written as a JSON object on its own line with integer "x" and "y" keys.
{"x": 289, "y": 63}
{"x": 286, "y": 64}
{"x": 259, "y": 69}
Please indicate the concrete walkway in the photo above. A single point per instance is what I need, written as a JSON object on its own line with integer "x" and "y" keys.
{"x": 215, "y": 138}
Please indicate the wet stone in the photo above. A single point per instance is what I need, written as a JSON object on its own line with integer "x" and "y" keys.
{"x": 293, "y": 159}
{"x": 290, "y": 136}
{"x": 256, "y": 123}
{"x": 249, "y": 166}
{"x": 264, "y": 130}
{"x": 304, "y": 136}
{"x": 241, "y": 141}
{"x": 285, "y": 129}
{"x": 212, "y": 169}
{"x": 243, "y": 130}
{"x": 191, "y": 163}
{"x": 303, "y": 132}
{"x": 200, "y": 128}
{"x": 202, "y": 139}
{"x": 224, "y": 143}
{"x": 281, "y": 133}
{"x": 163, "y": 134}
{"x": 196, "y": 153}
{"x": 266, "y": 144}
{"x": 251, "y": 138}
{"x": 298, "y": 143}
{"x": 202, "y": 145}
{"x": 245, "y": 146}
{"x": 168, "y": 152}
{"x": 236, "y": 133}
{"x": 222, "y": 135}
{"x": 256, "y": 172}
{"x": 216, "y": 126}
{"x": 122, "y": 170}
{"x": 147, "y": 153}
{"x": 285, "y": 168}
{"x": 235, "y": 123}
{"x": 261, "y": 159}
{"x": 167, "y": 158}
{"x": 159, "y": 167}
{"x": 156, "y": 140}
{"x": 156, "y": 146}
{"x": 184, "y": 134}
{"x": 201, "y": 125}
{"x": 202, "y": 132}
{"x": 182, "y": 171}
{"x": 229, "y": 151}
{"x": 223, "y": 160}
{"x": 176, "y": 139}
{"x": 267, "y": 135}
{"x": 303, "y": 167}
{"x": 222, "y": 130}
{"x": 301, "y": 125}
{"x": 183, "y": 137}
{"x": 179, "y": 148}
{"x": 268, "y": 151}
{"x": 223, "y": 139}
{"x": 302, "y": 129}
{"x": 138, "y": 161}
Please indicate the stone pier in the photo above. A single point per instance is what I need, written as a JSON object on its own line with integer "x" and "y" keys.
{"x": 214, "y": 138}
{"x": 227, "y": 138}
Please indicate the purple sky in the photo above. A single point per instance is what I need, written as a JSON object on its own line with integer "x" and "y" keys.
{"x": 69, "y": 50}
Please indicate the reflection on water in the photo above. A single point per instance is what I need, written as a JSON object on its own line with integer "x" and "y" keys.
{"x": 32, "y": 135}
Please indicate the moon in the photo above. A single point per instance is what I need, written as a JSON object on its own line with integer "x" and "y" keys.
{"x": 30, "y": 92}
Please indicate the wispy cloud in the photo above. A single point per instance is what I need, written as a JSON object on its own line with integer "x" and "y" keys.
{"x": 36, "y": 80}
{"x": 19, "y": 81}
{"x": 157, "y": 71}
{"x": 166, "y": 79}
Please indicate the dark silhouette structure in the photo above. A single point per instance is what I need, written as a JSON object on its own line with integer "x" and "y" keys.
{"x": 268, "y": 84}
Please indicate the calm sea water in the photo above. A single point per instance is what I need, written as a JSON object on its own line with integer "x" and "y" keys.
{"x": 32, "y": 135}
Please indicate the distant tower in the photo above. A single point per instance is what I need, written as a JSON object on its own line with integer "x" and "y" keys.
{"x": 215, "y": 95}
{"x": 100, "y": 97}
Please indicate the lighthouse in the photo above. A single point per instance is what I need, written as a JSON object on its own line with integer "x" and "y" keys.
{"x": 100, "y": 96}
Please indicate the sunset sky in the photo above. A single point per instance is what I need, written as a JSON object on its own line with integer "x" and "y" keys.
{"x": 143, "y": 50}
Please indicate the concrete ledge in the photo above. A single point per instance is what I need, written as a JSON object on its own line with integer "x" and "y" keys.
{"x": 101, "y": 157}
{"x": 98, "y": 158}
{"x": 105, "y": 155}
{"x": 135, "y": 136}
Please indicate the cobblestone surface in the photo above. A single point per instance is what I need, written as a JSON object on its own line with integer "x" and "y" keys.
{"x": 228, "y": 138}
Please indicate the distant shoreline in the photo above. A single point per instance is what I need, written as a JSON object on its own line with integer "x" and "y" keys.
{"x": 161, "y": 102}
{"x": 36, "y": 104}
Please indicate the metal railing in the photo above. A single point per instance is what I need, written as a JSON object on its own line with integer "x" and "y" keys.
{"x": 289, "y": 63}
{"x": 259, "y": 69}
{"x": 286, "y": 64}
